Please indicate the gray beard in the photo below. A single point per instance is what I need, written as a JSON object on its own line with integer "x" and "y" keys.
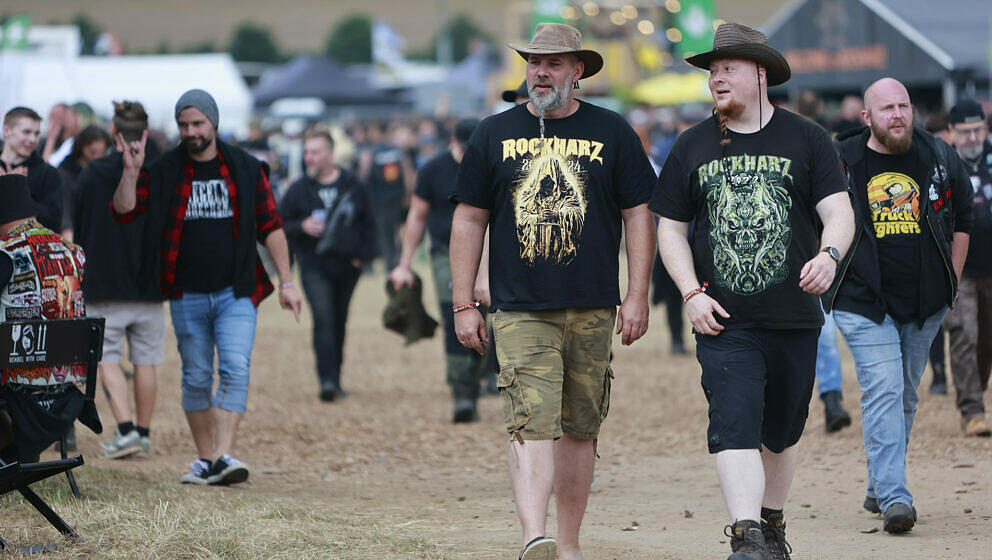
{"x": 971, "y": 152}
{"x": 547, "y": 103}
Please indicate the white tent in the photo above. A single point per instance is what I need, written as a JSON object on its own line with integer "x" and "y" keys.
{"x": 156, "y": 81}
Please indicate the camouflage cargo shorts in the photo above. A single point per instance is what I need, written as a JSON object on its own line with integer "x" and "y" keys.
{"x": 555, "y": 370}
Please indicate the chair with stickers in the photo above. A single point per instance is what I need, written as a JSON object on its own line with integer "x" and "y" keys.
{"x": 41, "y": 364}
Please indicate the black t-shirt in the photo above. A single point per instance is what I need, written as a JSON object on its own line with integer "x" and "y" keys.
{"x": 979, "y": 261}
{"x": 555, "y": 224}
{"x": 434, "y": 183}
{"x": 753, "y": 203}
{"x": 386, "y": 175}
{"x": 206, "y": 253}
{"x": 6, "y": 269}
{"x": 894, "y": 202}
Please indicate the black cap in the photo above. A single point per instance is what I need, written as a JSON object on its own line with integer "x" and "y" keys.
{"x": 15, "y": 199}
{"x": 511, "y": 95}
{"x": 464, "y": 129}
{"x": 966, "y": 111}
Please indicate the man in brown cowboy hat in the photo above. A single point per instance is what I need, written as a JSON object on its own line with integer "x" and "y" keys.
{"x": 554, "y": 180}
{"x": 752, "y": 176}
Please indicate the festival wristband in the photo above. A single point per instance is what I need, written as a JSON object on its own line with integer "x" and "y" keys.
{"x": 459, "y": 308}
{"x": 696, "y": 292}
{"x": 285, "y": 286}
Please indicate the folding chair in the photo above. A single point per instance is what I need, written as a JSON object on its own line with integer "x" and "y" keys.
{"x": 32, "y": 344}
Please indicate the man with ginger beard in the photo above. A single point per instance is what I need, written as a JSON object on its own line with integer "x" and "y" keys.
{"x": 912, "y": 199}
{"x": 557, "y": 181}
{"x": 753, "y": 178}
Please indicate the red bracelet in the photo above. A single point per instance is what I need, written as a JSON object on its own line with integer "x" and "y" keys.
{"x": 459, "y": 308}
{"x": 696, "y": 292}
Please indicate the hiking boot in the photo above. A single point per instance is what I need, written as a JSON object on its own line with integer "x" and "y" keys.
{"x": 871, "y": 505}
{"x": 465, "y": 411}
{"x": 899, "y": 518}
{"x": 773, "y": 529}
{"x": 227, "y": 470}
{"x": 541, "y": 548}
{"x": 833, "y": 411}
{"x": 198, "y": 471}
{"x": 121, "y": 445}
{"x": 976, "y": 426}
{"x": 939, "y": 384}
{"x": 746, "y": 541}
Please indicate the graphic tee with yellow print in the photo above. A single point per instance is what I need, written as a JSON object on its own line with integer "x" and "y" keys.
{"x": 894, "y": 200}
{"x": 555, "y": 223}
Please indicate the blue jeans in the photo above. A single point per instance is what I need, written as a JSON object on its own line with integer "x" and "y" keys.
{"x": 202, "y": 323}
{"x": 828, "y": 376}
{"x": 890, "y": 359}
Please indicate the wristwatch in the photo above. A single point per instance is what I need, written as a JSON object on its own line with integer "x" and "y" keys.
{"x": 833, "y": 252}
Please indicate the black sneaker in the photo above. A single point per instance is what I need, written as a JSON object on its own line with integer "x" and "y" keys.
{"x": 833, "y": 411}
{"x": 871, "y": 505}
{"x": 198, "y": 472}
{"x": 329, "y": 392}
{"x": 465, "y": 411}
{"x": 898, "y": 518}
{"x": 746, "y": 541}
{"x": 773, "y": 529}
{"x": 227, "y": 470}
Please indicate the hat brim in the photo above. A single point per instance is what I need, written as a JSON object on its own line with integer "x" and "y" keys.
{"x": 776, "y": 67}
{"x": 592, "y": 60}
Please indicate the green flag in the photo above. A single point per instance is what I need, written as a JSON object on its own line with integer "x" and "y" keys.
{"x": 695, "y": 22}
{"x": 15, "y": 33}
{"x": 547, "y": 11}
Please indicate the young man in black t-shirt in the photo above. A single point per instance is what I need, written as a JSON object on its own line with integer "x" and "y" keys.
{"x": 969, "y": 324}
{"x": 753, "y": 178}
{"x": 912, "y": 200}
{"x": 554, "y": 180}
{"x": 431, "y": 209}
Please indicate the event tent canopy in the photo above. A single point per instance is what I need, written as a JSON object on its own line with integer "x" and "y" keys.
{"x": 321, "y": 78}
{"x": 847, "y": 44}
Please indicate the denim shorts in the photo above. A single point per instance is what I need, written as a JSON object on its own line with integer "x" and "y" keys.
{"x": 758, "y": 383}
{"x": 203, "y": 323}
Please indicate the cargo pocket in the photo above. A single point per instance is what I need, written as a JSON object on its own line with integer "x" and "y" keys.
{"x": 604, "y": 405}
{"x": 516, "y": 413}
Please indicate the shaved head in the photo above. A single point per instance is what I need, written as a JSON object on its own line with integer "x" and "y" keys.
{"x": 884, "y": 89}
{"x": 889, "y": 114}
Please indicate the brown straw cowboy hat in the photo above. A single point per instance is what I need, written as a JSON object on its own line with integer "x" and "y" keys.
{"x": 733, "y": 40}
{"x": 558, "y": 38}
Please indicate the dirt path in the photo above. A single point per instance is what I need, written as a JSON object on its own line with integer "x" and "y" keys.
{"x": 389, "y": 453}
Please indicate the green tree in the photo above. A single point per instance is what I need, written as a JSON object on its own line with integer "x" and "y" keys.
{"x": 462, "y": 30}
{"x": 254, "y": 43}
{"x": 350, "y": 42}
{"x": 89, "y": 31}
{"x": 202, "y": 47}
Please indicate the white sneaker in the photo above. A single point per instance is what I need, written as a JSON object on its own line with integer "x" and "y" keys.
{"x": 198, "y": 471}
{"x": 121, "y": 446}
{"x": 227, "y": 470}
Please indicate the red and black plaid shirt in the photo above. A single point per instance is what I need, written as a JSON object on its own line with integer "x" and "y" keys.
{"x": 267, "y": 220}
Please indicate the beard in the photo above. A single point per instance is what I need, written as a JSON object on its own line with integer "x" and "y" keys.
{"x": 730, "y": 109}
{"x": 196, "y": 144}
{"x": 545, "y": 103}
{"x": 895, "y": 144}
{"x": 971, "y": 152}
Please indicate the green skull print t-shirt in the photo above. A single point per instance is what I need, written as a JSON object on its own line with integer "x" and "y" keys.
{"x": 555, "y": 203}
{"x": 752, "y": 205}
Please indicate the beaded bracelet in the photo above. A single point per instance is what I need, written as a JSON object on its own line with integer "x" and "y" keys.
{"x": 696, "y": 292}
{"x": 459, "y": 308}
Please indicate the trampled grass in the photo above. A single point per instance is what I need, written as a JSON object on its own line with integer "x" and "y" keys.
{"x": 129, "y": 515}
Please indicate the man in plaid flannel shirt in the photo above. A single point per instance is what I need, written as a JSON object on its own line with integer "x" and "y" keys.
{"x": 209, "y": 198}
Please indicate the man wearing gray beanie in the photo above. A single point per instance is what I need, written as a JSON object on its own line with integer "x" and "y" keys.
{"x": 212, "y": 201}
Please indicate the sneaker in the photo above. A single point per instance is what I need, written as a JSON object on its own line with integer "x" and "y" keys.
{"x": 146, "y": 445}
{"x": 329, "y": 392}
{"x": 747, "y": 541}
{"x": 976, "y": 426}
{"x": 871, "y": 505}
{"x": 678, "y": 348}
{"x": 898, "y": 518}
{"x": 541, "y": 548}
{"x": 121, "y": 445}
{"x": 227, "y": 470}
{"x": 198, "y": 471}
{"x": 833, "y": 411}
{"x": 773, "y": 529}
{"x": 465, "y": 411}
